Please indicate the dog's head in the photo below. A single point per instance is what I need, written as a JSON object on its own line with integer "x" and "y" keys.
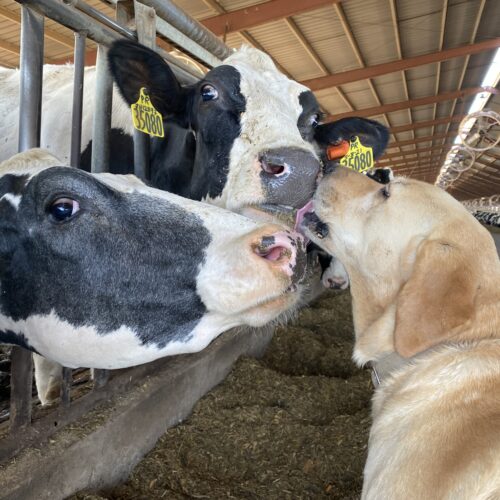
{"x": 420, "y": 265}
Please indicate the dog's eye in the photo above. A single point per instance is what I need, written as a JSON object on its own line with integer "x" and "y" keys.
{"x": 63, "y": 209}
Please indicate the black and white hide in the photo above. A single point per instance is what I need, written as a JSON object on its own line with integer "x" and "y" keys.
{"x": 105, "y": 272}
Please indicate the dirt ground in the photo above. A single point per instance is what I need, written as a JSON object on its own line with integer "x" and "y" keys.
{"x": 293, "y": 425}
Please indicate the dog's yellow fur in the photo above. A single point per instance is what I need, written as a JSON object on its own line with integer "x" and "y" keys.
{"x": 425, "y": 280}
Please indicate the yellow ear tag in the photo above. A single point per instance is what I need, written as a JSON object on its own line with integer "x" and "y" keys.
{"x": 359, "y": 157}
{"x": 145, "y": 117}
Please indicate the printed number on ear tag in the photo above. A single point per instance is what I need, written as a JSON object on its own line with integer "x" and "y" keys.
{"x": 359, "y": 157}
{"x": 145, "y": 117}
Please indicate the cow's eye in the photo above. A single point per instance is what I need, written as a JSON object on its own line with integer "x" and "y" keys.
{"x": 209, "y": 93}
{"x": 63, "y": 209}
{"x": 314, "y": 120}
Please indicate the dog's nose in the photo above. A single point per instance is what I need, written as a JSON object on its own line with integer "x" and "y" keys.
{"x": 330, "y": 166}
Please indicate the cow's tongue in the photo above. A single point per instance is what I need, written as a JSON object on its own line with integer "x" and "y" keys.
{"x": 308, "y": 207}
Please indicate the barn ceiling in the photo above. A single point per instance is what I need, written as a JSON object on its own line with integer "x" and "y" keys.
{"x": 415, "y": 66}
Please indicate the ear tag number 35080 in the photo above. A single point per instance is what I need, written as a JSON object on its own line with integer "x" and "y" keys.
{"x": 359, "y": 157}
{"x": 145, "y": 117}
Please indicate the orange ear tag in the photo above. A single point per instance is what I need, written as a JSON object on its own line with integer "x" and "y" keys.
{"x": 334, "y": 152}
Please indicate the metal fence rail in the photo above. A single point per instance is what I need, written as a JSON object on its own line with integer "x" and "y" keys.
{"x": 151, "y": 17}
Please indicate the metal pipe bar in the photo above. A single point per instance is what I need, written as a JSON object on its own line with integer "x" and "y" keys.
{"x": 145, "y": 20}
{"x": 180, "y": 39}
{"x": 101, "y": 124}
{"x": 32, "y": 25}
{"x": 31, "y": 79}
{"x": 76, "y": 117}
{"x": 102, "y": 18}
{"x": 75, "y": 20}
{"x": 67, "y": 380}
{"x": 169, "y": 12}
{"x": 101, "y": 378}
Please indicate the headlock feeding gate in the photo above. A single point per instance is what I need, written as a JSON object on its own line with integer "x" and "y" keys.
{"x": 187, "y": 377}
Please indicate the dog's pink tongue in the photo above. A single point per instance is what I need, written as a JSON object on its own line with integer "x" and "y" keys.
{"x": 308, "y": 207}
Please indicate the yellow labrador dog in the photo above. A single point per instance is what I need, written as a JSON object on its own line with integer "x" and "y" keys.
{"x": 425, "y": 284}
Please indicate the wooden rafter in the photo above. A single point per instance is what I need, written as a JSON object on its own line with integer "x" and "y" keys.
{"x": 410, "y": 153}
{"x": 427, "y": 123}
{"x": 428, "y": 138}
{"x": 402, "y": 167}
{"x": 413, "y": 103}
{"x": 355, "y": 75}
{"x": 254, "y": 15}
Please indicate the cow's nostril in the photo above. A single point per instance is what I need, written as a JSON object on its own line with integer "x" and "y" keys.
{"x": 273, "y": 253}
{"x": 272, "y": 168}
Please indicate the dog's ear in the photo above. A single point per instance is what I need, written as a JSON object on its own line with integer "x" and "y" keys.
{"x": 438, "y": 297}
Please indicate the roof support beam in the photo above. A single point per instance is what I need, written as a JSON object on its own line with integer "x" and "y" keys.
{"x": 412, "y": 103}
{"x": 427, "y": 123}
{"x": 417, "y": 168}
{"x": 428, "y": 138}
{"x": 249, "y": 17}
{"x": 410, "y": 153}
{"x": 355, "y": 75}
{"x": 412, "y": 162}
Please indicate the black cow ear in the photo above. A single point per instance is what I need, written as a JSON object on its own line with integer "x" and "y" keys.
{"x": 134, "y": 66}
{"x": 371, "y": 133}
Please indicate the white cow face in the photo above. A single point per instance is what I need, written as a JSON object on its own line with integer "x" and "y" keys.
{"x": 253, "y": 126}
{"x": 103, "y": 271}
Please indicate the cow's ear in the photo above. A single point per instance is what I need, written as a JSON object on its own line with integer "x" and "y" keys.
{"x": 134, "y": 66}
{"x": 371, "y": 133}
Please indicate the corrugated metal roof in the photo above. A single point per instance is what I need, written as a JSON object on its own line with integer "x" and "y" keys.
{"x": 324, "y": 48}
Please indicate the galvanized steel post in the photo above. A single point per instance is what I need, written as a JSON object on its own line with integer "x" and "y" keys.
{"x": 29, "y": 137}
{"x": 76, "y": 117}
{"x": 145, "y": 21}
{"x": 101, "y": 125}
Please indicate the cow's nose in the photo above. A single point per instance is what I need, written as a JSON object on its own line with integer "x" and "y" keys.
{"x": 288, "y": 175}
{"x": 284, "y": 250}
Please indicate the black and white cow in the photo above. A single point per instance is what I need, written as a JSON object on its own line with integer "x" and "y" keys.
{"x": 103, "y": 271}
{"x": 243, "y": 138}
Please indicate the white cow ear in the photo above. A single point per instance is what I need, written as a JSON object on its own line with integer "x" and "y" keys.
{"x": 134, "y": 66}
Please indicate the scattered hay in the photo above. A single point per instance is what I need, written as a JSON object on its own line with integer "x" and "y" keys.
{"x": 291, "y": 425}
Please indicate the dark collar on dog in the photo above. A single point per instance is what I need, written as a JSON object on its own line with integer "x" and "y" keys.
{"x": 386, "y": 365}
{"x": 390, "y": 363}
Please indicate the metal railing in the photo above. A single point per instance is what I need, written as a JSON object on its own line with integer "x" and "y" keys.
{"x": 152, "y": 17}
